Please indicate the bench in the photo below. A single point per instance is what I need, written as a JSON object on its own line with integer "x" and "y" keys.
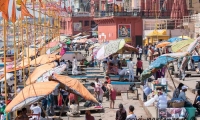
{"x": 176, "y": 73}
{"x": 132, "y": 91}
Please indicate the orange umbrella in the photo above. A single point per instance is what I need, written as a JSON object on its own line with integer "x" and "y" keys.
{"x": 163, "y": 44}
{"x": 43, "y": 59}
{"x": 75, "y": 86}
{"x": 31, "y": 94}
{"x": 39, "y": 71}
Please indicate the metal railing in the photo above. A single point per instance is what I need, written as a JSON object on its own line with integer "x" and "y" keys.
{"x": 136, "y": 13}
{"x": 192, "y": 18}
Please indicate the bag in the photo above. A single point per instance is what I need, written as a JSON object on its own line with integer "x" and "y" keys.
{"x": 178, "y": 104}
{"x": 132, "y": 86}
{"x": 88, "y": 104}
{"x": 147, "y": 90}
{"x": 103, "y": 88}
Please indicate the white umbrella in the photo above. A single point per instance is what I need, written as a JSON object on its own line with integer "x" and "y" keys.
{"x": 193, "y": 45}
{"x": 8, "y": 76}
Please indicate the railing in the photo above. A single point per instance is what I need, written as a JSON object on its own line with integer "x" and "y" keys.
{"x": 190, "y": 19}
{"x": 136, "y": 13}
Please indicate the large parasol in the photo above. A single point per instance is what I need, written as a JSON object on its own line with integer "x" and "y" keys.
{"x": 39, "y": 71}
{"x": 75, "y": 86}
{"x": 31, "y": 94}
{"x": 110, "y": 48}
{"x": 160, "y": 62}
{"x": 178, "y": 46}
{"x": 162, "y": 44}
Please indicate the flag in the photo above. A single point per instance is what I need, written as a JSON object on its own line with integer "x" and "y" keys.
{"x": 24, "y": 11}
{"x": 42, "y": 5}
{"x": 4, "y": 8}
{"x": 18, "y": 2}
{"x": 24, "y": 2}
{"x": 13, "y": 19}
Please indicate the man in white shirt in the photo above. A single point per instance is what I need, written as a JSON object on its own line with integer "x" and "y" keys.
{"x": 121, "y": 73}
{"x": 130, "y": 66}
{"x": 131, "y": 115}
{"x": 140, "y": 52}
{"x": 36, "y": 111}
{"x": 98, "y": 82}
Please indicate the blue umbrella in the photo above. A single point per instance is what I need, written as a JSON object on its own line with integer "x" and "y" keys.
{"x": 160, "y": 62}
{"x": 174, "y": 39}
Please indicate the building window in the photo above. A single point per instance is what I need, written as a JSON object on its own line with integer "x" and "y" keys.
{"x": 190, "y": 3}
{"x": 93, "y": 24}
{"x": 86, "y": 23}
{"x": 61, "y": 25}
{"x": 162, "y": 5}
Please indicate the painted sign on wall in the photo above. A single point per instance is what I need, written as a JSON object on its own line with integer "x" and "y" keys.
{"x": 77, "y": 26}
{"x": 124, "y": 30}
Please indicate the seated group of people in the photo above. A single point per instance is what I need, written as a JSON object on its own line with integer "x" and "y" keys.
{"x": 179, "y": 94}
{"x": 86, "y": 63}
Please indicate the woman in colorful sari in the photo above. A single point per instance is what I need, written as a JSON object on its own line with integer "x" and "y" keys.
{"x": 112, "y": 94}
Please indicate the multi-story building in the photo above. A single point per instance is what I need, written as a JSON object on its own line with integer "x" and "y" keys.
{"x": 119, "y": 18}
{"x": 192, "y": 21}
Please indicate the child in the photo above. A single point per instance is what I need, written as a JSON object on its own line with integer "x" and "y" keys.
{"x": 139, "y": 66}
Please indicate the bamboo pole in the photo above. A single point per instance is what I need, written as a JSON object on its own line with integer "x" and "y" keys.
{"x": 22, "y": 41}
{"x": 5, "y": 83}
{"x": 45, "y": 24}
{"x": 18, "y": 41}
{"x": 15, "y": 56}
{"x": 34, "y": 30}
{"x": 28, "y": 47}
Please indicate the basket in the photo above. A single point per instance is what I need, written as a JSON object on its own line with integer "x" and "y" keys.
{"x": 177, "y": 104}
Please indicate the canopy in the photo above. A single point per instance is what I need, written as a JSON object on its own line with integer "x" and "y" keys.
{"x": 43, "y": 59}
{"x": 52, "y": 44}
{"x": 68, "y": 41}
{"x": 31, "y": 94}
{"x": 75, "y": 86}
{"x": 162, "y": 44}
{"x": 110, "y": 48}
{"x": 127, "y": 47}
{"x": 177, "y": 46}
{"x": 83, "y": 40}
{"x": 94, "y": 45}
{"x": 8, "y": 76}
{"x": 174, "y": 39}
{"x": 193, "y": 45}
{"x": 39, "y": 71}
{"x": 45, "y": 76}
{"x": 60, "y": 38}
{"x": 160, "y": 62}
{"x": 184, "y": 37}
{"x": 31, "y": 52}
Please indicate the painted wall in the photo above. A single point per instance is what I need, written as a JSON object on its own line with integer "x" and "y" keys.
{"x": 107, "y": 32}
{"x": 110, "y": 31}
{"x": 69, "y": 26}
{"x": 136, "y": 26}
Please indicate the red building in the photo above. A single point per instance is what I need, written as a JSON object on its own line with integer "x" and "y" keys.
{"x": 117, "y": 18}
{"x": 75, "y": 25}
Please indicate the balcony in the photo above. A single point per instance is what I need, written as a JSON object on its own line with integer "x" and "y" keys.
{"x": 134, "y": 13}
{"x": 191, "y": 19}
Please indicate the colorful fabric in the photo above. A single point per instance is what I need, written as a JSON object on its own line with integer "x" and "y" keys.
{"x": 113, "y": 95}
